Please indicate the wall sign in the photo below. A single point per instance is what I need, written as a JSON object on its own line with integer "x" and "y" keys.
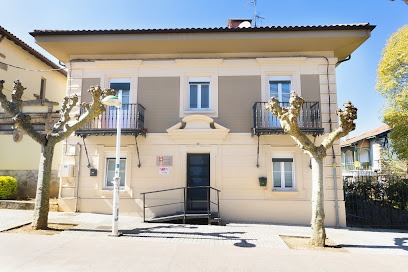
{"x": 164, "y": 161}
{"x": 164, "y": 170}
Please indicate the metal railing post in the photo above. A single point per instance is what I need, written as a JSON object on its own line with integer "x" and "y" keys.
{"x": 218, "y": 207}
{"x": 208, "y": 206}
{"x": 185, "y": 205}
{"x": 144, "y": 208}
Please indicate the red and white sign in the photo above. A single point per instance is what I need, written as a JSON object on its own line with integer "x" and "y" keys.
{"x": 164, "y": 170}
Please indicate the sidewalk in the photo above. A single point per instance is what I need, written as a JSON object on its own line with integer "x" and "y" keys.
{"x": 170, "y": 247}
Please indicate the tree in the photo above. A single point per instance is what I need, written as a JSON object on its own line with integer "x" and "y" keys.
{"x": 288, "y": 117}
{"x": 61, "y": 130}
{"x": 406, "y": 1}
{"x": 392, "y": 83}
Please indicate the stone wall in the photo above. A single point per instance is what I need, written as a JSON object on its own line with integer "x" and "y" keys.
{"x": 27, "y": 182}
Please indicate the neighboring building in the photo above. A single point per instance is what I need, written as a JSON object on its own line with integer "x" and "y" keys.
{"x": 45, "y": 89}
{"x": 361, "y": 155}
{"x": 194, "y": 116}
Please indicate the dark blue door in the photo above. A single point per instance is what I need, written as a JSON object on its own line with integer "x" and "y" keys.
{"x": 198, "y": 175}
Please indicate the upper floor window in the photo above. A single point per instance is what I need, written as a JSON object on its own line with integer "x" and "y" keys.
{"x": 280, "y": 88}
{"x": 42, "y": 88}
{"x": 122, "y": 88}
{"x": 199, "y": 94}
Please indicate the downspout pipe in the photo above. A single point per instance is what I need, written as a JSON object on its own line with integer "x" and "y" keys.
{"x": 334, "y": 164}
{"x": 78, "y": 145}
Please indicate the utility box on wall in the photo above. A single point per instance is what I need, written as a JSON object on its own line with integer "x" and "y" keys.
{"x": 66, "y": 171}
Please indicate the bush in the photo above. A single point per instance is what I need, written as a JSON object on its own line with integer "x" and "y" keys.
{"x": 8, "y": 187}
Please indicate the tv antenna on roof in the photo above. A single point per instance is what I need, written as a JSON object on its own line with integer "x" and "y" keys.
{"x": 256, "y": 16}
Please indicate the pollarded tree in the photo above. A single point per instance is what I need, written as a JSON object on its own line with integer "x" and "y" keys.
{"x": 392, "y": 83}
{"x": 61, "y": 130}
{"x": 288, "y": 117}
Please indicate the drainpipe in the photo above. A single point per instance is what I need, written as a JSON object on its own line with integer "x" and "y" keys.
{"x": 78, "y": 172}
{"x": 336, "y": 200}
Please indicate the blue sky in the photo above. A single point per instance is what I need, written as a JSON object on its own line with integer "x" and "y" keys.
{"x": 355, "y": 78}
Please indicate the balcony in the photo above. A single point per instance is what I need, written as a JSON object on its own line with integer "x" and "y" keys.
{"x": 105, "y": 124}
{"x": 265, "y": 123}
{"x": 41, "y": 112}
{"x": 357, "y": 169}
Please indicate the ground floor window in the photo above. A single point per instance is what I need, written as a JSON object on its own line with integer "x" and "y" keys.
{"x": 283, "y": 173}
{"x": 110, "y": 172}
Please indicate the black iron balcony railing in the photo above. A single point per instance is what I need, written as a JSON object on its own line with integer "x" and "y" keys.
{"x": 265, "y": 122}
{"x": 106, "y": 124}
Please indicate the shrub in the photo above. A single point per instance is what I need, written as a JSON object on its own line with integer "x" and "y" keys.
{"x": 8, "y": 187}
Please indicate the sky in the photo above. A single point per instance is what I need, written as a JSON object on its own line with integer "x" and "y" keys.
{"x": 356, "y": 78}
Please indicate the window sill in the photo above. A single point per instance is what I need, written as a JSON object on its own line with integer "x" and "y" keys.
{"x": 209, "y": 113}
{"x": 286, "y": 194}
{"x": 198, "y": 111}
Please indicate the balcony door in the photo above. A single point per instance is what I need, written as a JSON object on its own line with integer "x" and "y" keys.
{"x": 122, "y": 89}
{"x": 279, "y": 88}
{"x": 198, "y": 175}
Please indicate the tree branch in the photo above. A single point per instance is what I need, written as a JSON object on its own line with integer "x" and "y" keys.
{"x": 92, "y": 110}
{"x": 14, "y": 109}
{"x": 67, "y": 105}
{"x": 17, "y": 94}
{"x": 288, "y": 117}
{"x": 346, "y": 125}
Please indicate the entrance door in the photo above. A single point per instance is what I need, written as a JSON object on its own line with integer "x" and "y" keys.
{"x": 198, "y": 174}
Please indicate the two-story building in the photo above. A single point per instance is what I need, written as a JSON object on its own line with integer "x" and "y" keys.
{"x": 46, "y": 86}
{"x": 362, "y": 154}
{"x": 194, "y": 126}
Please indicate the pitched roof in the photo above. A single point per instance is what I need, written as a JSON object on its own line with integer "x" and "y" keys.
{"x": 205, "y": 30}
{"x": 30, "y": 50}
{"x": 367, "y": 135}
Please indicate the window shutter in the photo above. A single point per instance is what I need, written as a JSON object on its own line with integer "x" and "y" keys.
{"x": 86, "y": 84}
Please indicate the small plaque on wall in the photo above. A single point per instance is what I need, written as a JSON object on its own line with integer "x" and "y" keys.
{"x": 164, "y": 161}
{"x": 164, "y": 170}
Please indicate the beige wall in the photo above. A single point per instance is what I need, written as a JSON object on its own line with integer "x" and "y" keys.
{"x": 25, "y": 155}
{"x": 236, "y": 96}
{"x": 233, "y": 171}
{"x": 161, "y": 98}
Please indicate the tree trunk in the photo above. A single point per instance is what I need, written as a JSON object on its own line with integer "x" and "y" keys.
{"x": 42, "y": 199}
{"x": 318, "y": 232}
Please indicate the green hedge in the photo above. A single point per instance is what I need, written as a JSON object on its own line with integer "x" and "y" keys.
{"x": 8, "y": 187}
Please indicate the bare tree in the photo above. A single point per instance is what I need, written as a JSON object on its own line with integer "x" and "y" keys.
{"x": 61, "y": 130}
{"x": 288, "y": 117}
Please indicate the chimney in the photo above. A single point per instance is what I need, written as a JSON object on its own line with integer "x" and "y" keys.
{"x": 239, "y": 23}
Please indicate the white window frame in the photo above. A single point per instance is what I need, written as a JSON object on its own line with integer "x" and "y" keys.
{"x": 282, "y": 170}
{"x": 278, "y": 79}
{"x": 122, "y": 80}
{"x": 212, "y": 79}
{"x": 199, "y": 82}
{"x": 105, "y": 179}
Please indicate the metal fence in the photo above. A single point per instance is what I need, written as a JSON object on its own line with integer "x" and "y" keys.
{"x": 309, "y": 115}
{"x": 132, "y": 118}
{"x": 379, "y": 201}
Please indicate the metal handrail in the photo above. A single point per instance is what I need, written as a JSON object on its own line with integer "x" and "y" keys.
{"x": 209, "y": 202}
{"x": 179, "y": 188}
